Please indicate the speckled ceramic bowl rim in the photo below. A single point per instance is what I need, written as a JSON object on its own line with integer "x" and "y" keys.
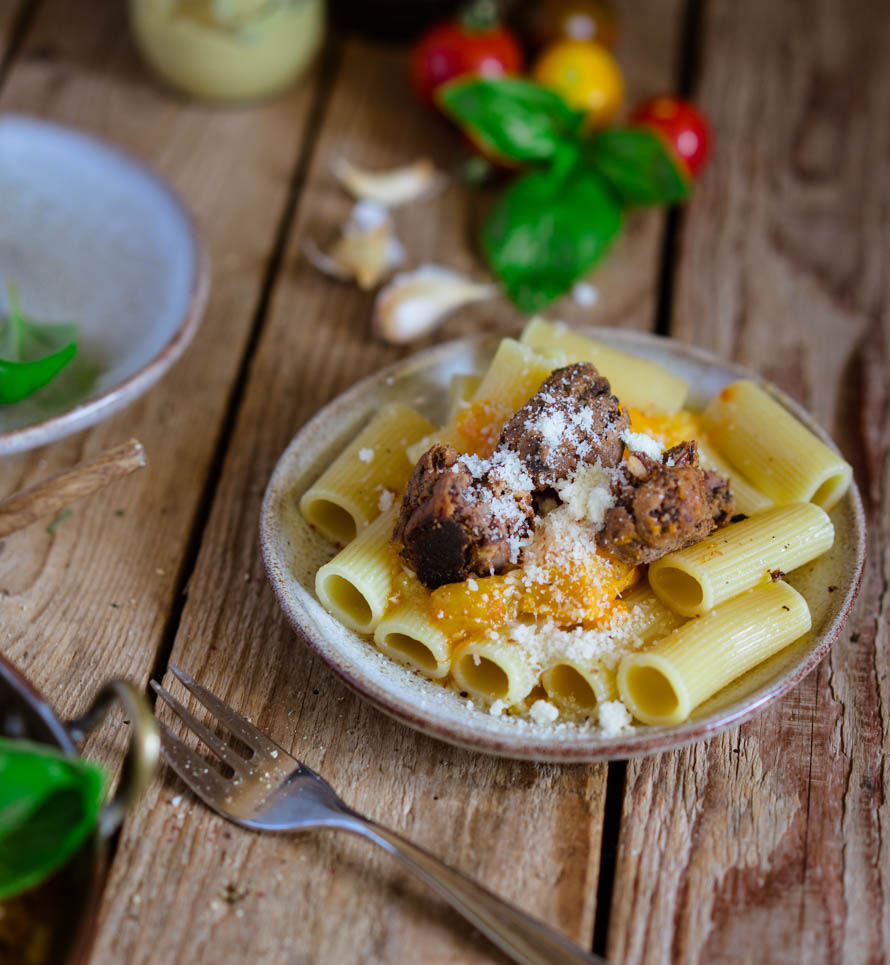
{"x": 580, "y": 747}
{"x": 93, "y": 410}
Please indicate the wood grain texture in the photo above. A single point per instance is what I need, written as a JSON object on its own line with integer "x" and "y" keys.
{"x": 92, "y": 599}
{"x": 529, "y": 832}
{"x": 769, "y": 842}
{"x": 9, "y": 15}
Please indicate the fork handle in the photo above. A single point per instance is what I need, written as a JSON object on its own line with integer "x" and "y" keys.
{"x": 522, "y": 937}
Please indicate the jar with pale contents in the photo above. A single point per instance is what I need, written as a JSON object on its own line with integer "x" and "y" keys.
{"x": 228, "y": 50}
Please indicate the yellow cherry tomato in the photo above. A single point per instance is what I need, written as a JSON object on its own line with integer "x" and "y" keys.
{"x": 585, "y": 75}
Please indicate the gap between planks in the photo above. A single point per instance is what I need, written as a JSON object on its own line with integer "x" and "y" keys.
{"x": 688, "y": 70}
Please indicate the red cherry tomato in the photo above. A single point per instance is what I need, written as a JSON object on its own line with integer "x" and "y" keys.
{"x": 682, "y": 124}
{"x": 458, "y": 47}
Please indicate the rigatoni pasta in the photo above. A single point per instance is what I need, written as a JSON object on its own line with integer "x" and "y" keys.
{"x": 748, "y": 498}
{"x": 735, "y": 558}
{"x": 407, "y": 635}
{"x": 493, "y": 669}
{"x": 773, "y": 450}
{"x": 664, "y": 684}
{"x": 367, "y": 474}
{"x": 356, "y": 584}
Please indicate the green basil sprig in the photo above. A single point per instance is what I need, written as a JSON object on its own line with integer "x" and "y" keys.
{"x": 554, "y": 223}
{"x": 31, "y": 353}
{"x": 49, "y": 804}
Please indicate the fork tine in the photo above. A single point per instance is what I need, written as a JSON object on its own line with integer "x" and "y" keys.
{"x": 204, "y": 780}
{"x": 215, "y": 743}
{"x": 238, "y": 725}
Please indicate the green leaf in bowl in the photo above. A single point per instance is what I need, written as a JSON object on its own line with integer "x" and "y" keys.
{"x": 31, "y": 353}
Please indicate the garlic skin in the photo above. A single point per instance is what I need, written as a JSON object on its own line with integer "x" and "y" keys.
{"x": 416, "y": 302}
{"x": 411, "y": 182}
{"x": 366, "y": 251}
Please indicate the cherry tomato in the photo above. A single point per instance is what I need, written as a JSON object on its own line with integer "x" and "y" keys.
{"x": 545, "y": 22}
{"x": 463, "y": 46}
{"x": 585, "y": 75}
{"x": 681, "y": 124}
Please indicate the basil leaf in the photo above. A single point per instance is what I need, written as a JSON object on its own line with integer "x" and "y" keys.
{"x": 510, "y": 117}
{"x": 548, "y": 230}
{"x": 31, "y": 353}
{"x": 49, "y": 805}
{"x": 639, "y": 166}
{"x": 18, "y": 380}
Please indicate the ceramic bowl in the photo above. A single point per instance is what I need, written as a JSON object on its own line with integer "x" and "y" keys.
{"x": 92, "y": 236}
{"x": 293, "y": 551}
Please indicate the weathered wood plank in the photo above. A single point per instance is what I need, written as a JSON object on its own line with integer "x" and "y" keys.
{"x": 92, "y": 599}
{"x": 767, "y": 841}
{"x": 529, "y": 832}
{"x": 9, "y": 15}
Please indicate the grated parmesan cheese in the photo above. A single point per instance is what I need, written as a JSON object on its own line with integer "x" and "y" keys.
{"x": 543, "y": 712}
{"x": 366, "y": 455}
{"x": 614, "y": 718}
{"x": 642, "y": 442}
{"x": 588, "y": 493}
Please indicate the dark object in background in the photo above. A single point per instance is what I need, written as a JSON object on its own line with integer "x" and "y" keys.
{"x": 545, "y": 22}
{"x": 390, "y": 19}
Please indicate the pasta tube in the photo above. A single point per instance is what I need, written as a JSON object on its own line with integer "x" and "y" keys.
{"x": 770, "y": 447}
{"x": 355, "y": 585}
{"x": 366, "y": 476}
{"x": 748, "y": 499}
{"x": 577, "y": 686}
{"x": 493, "y": 669}
{"x": 665, "y": 684}
{"x": 448, "y": 436}
{"x": 461, "y": 389}
{"x": 407, "y": 636}
{"x": 648, "y": 618}
{"x": 581, "y": 684}
{"x": 735, "y": 558}
{"x": 637, "y": 382}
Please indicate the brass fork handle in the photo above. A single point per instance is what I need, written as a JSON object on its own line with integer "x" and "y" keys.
{"x": 520, "y": 936}
{"x": 142, "y": 754}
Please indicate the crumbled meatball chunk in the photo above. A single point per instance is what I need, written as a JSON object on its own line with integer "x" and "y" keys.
{"x": 453, "y": 526}
{"x": 662, "y": 507}
{"x": 572, "y": 419}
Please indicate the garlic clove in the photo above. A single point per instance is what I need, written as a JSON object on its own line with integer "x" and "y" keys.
{"x": 414, "y": 303}
{"x": 411, "y": 182}
{"x": 366, "y": 251}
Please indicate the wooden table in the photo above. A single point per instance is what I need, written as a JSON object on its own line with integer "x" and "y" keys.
{"x": 767, "y": 843}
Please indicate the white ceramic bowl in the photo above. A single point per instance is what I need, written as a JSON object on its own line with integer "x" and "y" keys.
{"x": 92, "y": 236}
{"x": 293, "y": 551}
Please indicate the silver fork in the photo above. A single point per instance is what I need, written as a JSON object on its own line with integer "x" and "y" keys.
{"x": 273, "y": 791}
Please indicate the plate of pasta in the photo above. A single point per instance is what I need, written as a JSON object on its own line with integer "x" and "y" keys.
{"x": 572, "y": 545}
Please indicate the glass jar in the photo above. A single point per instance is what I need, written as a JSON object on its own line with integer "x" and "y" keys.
{"x": 228, "y": 50}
